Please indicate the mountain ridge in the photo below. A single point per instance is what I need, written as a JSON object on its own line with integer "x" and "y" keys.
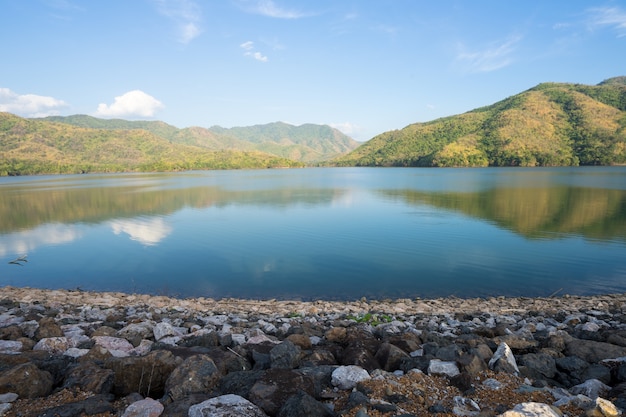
{"x": 551, "y": 124}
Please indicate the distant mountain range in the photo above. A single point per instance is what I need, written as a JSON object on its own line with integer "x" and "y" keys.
{"x": 306, "y": 143}
{"x": 552, "y": 124}
{"x": 81, "y": 143}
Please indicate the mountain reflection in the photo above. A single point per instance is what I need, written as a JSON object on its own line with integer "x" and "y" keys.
{"x": 24, "y": 209}
{"x": 535, "y": 212}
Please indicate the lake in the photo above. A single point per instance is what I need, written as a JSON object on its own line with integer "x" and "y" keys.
{"x": 320, "y": 233}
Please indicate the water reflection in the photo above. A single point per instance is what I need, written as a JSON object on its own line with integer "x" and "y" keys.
{"x": 28, "y": 240}
{"x": 148, "y": 232}
{"x": 549, "y": 212}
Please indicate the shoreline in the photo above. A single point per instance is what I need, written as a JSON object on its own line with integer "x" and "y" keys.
{"x": 401, "y": 306}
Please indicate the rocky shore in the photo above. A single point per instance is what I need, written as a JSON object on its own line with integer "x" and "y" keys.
{"x": 73, "y": 353}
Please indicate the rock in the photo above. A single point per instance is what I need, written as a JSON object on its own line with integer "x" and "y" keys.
{"x": 144, "y": 408}
{"x": 603, "y": 408}
{"x": 229, "y": 405}
{"x": 89, "y": 377}
{"x": 356, "y": 353}
{"x": 116, "y": 346}
{"x": 472, "y": 363}
{"x": 10, "y": 347}
{"x": 163, "y": 330}
{"x": 538, "y": 365}
{"x": 336, "y": 334}
{"x": 591, "y": 388}
{"x": 9, "y": 397}
{"x": 98, "y": 404}
{"x": 135, "y": 332}
{"x": 592, "y": 351}
{"x": 390, "y": 357}
{"x": 53, "y": 345}
{"x": 239, "y": 382}
{"x": 439, "y": 367}
{"x": 146, "y": 375}
{"x": 302, "y": 404}
{"x": 273, "y": 389}
{"x": 531, "y": 409}
{"x": 48, "y": 328}
{"x": 196, "y": 374}
{"x": 503, "y": 360}
{"x": 346, "y": 377}
{"x": 285, "y": 355}
{"x": 27, "y": 381}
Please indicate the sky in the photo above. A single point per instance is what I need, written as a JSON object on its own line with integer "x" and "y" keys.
{"x": 361, "y": 66}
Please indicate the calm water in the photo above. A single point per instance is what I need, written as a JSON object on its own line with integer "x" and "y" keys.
{"x": 339, "y": 233}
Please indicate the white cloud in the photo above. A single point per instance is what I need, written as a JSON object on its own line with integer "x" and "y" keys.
{"x": 29, "y": 105}
{"x": 185, "y": 14}
{"x": 249, "y": 48}
{"x": 148, "y": 232}
{"x": 609, "y": 16}
{"x": 135, "y": 103}
{"x": 269, "y": 9}
{"x": 494, "y": 57}
{"x": 247, "y": 45}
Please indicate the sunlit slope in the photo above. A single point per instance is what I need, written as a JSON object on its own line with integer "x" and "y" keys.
{"x": 46, "y": 147}
{"x": 549, "y": 125}
{"x": 305, "y": 143}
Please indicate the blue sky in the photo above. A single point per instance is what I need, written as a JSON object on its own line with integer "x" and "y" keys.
{"x": 361, "y": 66}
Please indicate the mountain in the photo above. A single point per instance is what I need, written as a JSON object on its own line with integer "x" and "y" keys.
{"x": 306, "y": 143}
{"x": 36, "y": 146}
{"x": 552, "y": 124}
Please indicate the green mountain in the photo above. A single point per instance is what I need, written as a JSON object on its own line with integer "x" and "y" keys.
{"x": 48, "y": 147}
{"x": 307, "y": 143}
{"x": 552, "y": 124}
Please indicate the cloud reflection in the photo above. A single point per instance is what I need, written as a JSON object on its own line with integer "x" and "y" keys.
{"x": 28, "y": 240}
{"x": 148, "y": 232}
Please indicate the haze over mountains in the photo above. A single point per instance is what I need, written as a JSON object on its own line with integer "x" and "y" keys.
{"x": 552, "y": 124}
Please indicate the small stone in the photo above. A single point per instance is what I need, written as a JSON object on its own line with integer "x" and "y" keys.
{"x": 9, "y": 397}
{"x": 591, "y": 388}
{"x": 606, "y": 408}
{"x": 439, "y": 367}
{"x": 144, "y": 408}
{"x": 117, "y": 346}
{"x": 10, "y": 347}
{"x": 346, "y": 377}
{"x": 53, "y": 345}
{"x": 531, "y": 409}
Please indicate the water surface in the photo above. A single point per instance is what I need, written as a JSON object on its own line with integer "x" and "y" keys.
{"x": 331, "y": 233}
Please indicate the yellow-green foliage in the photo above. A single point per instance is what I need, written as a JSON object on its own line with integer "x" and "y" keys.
{"x": 550, "y": 125}
{"x": 44, "y": 147}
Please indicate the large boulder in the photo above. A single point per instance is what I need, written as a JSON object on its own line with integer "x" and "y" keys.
{"x": 27, "y": 381}
{"x": 592, "y": 351}
{"x": 276, "y": 386}
{"x": 90, "y": 377}
{"x": 302, "y": 404}
{"x": 196, "y": 374}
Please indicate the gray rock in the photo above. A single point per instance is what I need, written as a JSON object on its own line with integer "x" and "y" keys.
{"x": 592, "y": 351}
{"x": 302, "y": 404}
{"x": 286, "y": 355}
{"x": 346, "y": 377}
{"x": 439, "y": 367}
{"x": 135, "y": 332}
{"x": 591, "y": 388}
{"x": 10, "y": 347}
{"x": 538, "y": 365}
{"x": 531, "y": 409}
{"x": 503, "y": 360}
{"x": 144, "y": 408}
{"x": 275, "y": 387}
{"x": 164, "y": 329}
{"x": 116, "y": 346}
{"x": 53, "y": 345}
{"x": 8, "y": 397}
{"x": 229, "y": 405}
{"x": 196, "y": 374}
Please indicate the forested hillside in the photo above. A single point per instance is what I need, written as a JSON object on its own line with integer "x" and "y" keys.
{"x": 46, "y": 147}
{"x": 306, "y": 143}
{"x": 552, "y": 124}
